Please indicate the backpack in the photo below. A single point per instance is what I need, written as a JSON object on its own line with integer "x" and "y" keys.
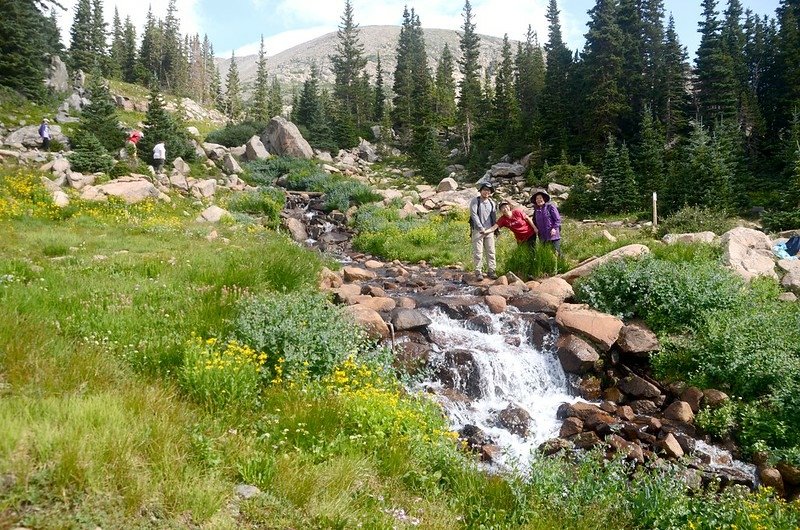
{"x": 793, "y": 245}
{"x": 492, "y": 215}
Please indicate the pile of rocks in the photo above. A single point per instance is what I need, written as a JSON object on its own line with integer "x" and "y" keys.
{"x": 629, "y": 413}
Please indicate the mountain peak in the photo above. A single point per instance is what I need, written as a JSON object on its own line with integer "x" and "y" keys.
{"x": 293, "y": 66}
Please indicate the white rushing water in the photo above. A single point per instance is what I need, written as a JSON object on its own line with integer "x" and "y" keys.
{"x": 510, "y": 374}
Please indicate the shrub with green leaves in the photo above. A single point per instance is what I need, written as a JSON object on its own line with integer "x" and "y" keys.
{"x": 777, "y": 221}
{"x": 668, "y": 296}
{"x": 236, "y": 134}
{"x": 340, "y": 194}
{"x": 303, "y": 328}
{"x": 264, "y": 202}
{"x": 752, "y": 351}
{"x": 264, "y": 172}
{"x": 696, "y": 219}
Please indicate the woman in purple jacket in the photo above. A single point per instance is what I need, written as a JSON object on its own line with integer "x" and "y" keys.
{"x": 547, "y": 220}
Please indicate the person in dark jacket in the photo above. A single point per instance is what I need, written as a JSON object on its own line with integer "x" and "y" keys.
{"x": 44, "y": 133}
{"x": 547, "y": 220}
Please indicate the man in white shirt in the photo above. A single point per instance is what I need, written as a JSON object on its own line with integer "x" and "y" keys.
{"x": 159, "y": 155}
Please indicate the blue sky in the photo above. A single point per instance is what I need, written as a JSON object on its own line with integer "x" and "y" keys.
{"x": 238, "y": 24}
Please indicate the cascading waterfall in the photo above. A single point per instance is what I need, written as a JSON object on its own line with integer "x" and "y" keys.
{"x": 505, "y": 369}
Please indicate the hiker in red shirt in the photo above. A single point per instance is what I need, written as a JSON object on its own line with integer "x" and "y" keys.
{"x": 516, "y": 220}
{"x": 133, "y": 139}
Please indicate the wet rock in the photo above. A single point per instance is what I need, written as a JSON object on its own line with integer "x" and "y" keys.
{"x": 586, "y": 440}
{"x": 409, "y": 319}
{"x": 459, "y": 308}
{"x": 614, "y": 394}
{"x": 771, "y": 478}
{"x": 557, "y": 287}
{"x": 789, "y": 473}
{"x": 598, "y": 327}
{"x": 637, "y": 339}
{"x": 459, "y": 371}
{"x": 507, "y": 291}
{"x": 714, "y": 398}
{"x": 570, "y": 427}
{"x": 405, "y": 302}
{"x": 554, "y": 445}
{"x": 411, "y": 357}
{"x": 679, "y": 411}
{"x": 482, "y": 323}
{"x": 536, "y": 303}
{"x": 329, "y": 280}
{"x": 380, "y": 304}
{"x": 515, "y": 420}
{"x": 590, "y": 388}
{"x": 369, "y": 320}
{"x": 577, "y": 410}
{"x": 357, "y": 274}
{"x": 373, "y": 290}
{"x": 676, "y": 427}
{"x": 491, "y": 453}
{"x": 575, "y": 354}
{"x": 599, "y": 422}
{"x": 347, "y": 293}
{"x": 495, "y": 303}
{"x": 635, "y": 386}
{"x": 474, "y": 436}
{"x": 671, "y": 447}
{"x": 626, "y": 413}
{"x": 693, "y": 397}
{"x": 643, "y": 406}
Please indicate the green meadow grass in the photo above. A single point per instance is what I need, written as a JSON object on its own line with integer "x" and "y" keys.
{"x": 98, "y": 308}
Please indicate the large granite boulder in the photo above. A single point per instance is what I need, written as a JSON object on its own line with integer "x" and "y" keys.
{"x": 254, "y": 149}
{"x": 598, "y": 327}
{"x": 628, "y": 251}
{"x": 283, "y": 138}
{"x": 748, "y": 253}
{"x": 131, "y": 189}
{"x": 29, "y": 136}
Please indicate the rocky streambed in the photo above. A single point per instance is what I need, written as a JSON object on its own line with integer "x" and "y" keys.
{"x": 523, "y": 372}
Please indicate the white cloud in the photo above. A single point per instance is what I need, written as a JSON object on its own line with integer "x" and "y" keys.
{"x": 282, "y": 41}
{"x": 187, "y": 14}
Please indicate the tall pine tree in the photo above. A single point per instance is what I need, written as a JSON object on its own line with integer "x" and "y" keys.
{"x": 602, "y": 75}
{"x": 470, "y": 84}
{"x": 445, "y": 91}
{"x": 259, "y": 109}
{"x": 348, "y": 65}
{"x": 554, "y": 105}
{"x": 233, "y": 92}
{"x": 81, "y": 48}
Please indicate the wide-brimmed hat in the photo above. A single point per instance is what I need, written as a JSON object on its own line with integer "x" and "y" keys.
{"x": 543, "y": 193}
{"x": 45, "y": 120}
{"x": 488, "y": 185}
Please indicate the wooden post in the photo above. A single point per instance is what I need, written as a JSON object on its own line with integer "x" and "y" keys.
{"x": 655, "y": 211}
